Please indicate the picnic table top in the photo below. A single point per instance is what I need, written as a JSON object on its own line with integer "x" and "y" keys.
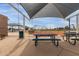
{"x": 45, "y": 34}
{"x": 72, "y": 33}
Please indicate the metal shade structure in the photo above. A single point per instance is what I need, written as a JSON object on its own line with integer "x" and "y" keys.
{"x": 62, "y": 10}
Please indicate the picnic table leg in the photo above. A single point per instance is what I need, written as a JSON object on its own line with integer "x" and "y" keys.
{"x": 64, "y": 38}
{"x": 57, "y": 43}
{"x": 36, "y": 41}
{"x": 52, "y": 37}
{"x": 74, "y": 42}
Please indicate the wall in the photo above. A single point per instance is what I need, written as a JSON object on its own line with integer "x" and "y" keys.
{"x": 3, "y": 25}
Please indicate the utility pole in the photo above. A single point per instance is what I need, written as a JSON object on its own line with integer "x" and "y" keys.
{"x": 77, "y": 19}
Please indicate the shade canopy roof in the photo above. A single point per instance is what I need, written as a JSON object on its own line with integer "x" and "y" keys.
{"x": 62, "y": 10}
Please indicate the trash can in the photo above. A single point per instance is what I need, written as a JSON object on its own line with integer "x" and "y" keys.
{"x": 21, "y": 34}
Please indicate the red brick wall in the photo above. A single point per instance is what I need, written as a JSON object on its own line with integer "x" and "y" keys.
{"x": 3, "y": 25}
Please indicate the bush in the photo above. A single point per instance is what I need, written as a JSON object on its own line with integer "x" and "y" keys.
{"x": 31, "y": 31}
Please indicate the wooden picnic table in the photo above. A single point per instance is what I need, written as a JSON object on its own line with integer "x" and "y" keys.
{"x": 52, "y": 38}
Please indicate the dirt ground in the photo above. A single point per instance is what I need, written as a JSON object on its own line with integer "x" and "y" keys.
{"x": 13, "y": 46}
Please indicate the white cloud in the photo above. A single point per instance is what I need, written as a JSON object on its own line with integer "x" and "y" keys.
{"x": 51, "y": 26}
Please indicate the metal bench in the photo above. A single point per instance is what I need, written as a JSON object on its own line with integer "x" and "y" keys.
{"x": 72, "y": 40}
{"x": 55, "y": 41}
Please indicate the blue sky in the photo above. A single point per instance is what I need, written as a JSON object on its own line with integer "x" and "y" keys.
{"x": 6, "y": 10}
{"x": 12, "y": 14}
{"x": 49, "y": 22}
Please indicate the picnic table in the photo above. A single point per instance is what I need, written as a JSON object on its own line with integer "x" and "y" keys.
{"x": 52, "y": 38}
{"x": 72, "y": 40}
